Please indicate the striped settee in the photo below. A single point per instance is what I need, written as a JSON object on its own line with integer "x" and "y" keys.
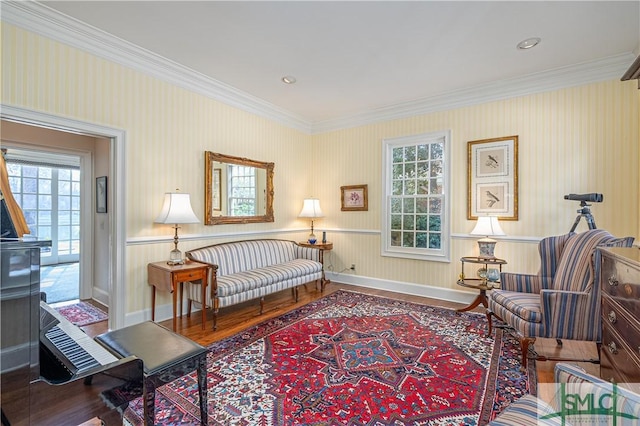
{"x": 252, "y": 269}
{"x": 563, "y": 300}
{"x": 577, "y": 398}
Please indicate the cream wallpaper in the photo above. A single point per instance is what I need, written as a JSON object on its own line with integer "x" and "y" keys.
{"x": 577, "y": 140}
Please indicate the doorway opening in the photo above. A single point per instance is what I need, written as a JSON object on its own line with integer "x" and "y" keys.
{"x": 110, "y": 243}
{"x": 47, "y": 187}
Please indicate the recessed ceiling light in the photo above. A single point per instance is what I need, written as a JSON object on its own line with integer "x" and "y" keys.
{"x": 288, "y": 79}
{"x": 528, "y": 43}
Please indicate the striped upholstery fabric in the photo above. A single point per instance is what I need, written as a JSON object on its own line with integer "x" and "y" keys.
{"x": 528, "y": 410}
{"x": 551, "y": 249}
{"x": 241, "y": 256}
{"x": 573, "y": 380}
{"x": 575, "y": 270}
{"x": 547, "y": 305}
{"x": 578, "y": 381}
{"x": 255, "y": 268}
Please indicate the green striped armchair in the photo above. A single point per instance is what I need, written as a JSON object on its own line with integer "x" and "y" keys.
{"x": 562, "y": 301}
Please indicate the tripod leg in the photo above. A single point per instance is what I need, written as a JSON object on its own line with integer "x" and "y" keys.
{"x": 591, "y": 221}
{"x": 575, "y": 224}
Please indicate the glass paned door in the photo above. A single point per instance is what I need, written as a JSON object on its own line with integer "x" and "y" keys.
{"x": 50, "y": 200}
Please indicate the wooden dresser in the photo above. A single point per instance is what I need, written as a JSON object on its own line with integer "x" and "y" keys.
{"x": 620, "y": 351}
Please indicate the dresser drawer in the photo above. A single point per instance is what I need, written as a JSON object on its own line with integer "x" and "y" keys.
{"x": 620, "y": 281}
{"x": 190, "y": 275}
{"x": 620, "y": 320}
{"x": 618, "y": 356}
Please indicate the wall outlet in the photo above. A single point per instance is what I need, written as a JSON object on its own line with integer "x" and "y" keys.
{"x": 353, "y": 267}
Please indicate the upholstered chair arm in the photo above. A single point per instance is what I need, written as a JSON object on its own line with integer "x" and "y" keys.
{"x": 563, "y": 313}
{"x": 523, "y": 283}
{"x": 193, "y": 287}
{"x": 310, "y": 253}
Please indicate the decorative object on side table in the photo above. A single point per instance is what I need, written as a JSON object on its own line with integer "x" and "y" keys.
{"x": 176, "y": 210}
{"x": 488, "y": 279}
{"x": 487, "y": 226}
{"x": 493, "y": 275}
{"x": 311, "y": 209}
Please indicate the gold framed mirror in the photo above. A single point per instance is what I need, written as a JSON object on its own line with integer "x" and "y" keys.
{"x": 237, "y": 190}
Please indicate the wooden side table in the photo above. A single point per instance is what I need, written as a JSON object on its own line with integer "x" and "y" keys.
{"x": 481, "y": 284}
{"x": 322, "y": 247}
{"x": 167, "y": 277}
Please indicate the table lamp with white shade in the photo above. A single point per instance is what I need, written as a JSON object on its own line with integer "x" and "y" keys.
{"x": 176, "y": 210}
{"x": 488, "y": 227}
{"x": 311, "y": 209}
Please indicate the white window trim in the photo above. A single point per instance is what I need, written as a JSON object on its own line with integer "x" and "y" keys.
{"x": 444, "y": 253}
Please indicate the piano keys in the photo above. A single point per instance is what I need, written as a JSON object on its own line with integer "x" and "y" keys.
{"x": 76, "y": 353}
{"x": 51, "y": 372}
{"x": 68, "y": 355}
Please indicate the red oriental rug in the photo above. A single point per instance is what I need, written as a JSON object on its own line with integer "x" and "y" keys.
{"x": 354, "y": 359}
{"x": 82, "y": 313}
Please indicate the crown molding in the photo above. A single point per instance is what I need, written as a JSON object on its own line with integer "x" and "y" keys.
{"x": 40, "y": 19}
{"x": 570, "y": 76}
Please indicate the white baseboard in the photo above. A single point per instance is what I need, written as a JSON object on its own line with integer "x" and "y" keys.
{"x": 165, "y": 312}
{"x": 433, "y": 292}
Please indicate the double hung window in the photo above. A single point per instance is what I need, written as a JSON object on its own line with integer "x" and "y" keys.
{"x": 417, "y": 196}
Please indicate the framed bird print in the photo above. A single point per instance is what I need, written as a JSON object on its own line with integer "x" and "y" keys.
{"x": 492, "y": 178}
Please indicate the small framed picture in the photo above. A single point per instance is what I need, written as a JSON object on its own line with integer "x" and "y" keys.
{"x": 354, "y": 198}
{"x": 101, "y": 194}
{"x": 492, "y": 172}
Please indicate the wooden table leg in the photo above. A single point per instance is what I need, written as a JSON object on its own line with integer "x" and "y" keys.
{"x": 203, "y": 296}
{"x": 175, "y": 306}
{"x": 153, "y": 303}
{"x": 181, "y": 291}
{"x": 480, "y": 298}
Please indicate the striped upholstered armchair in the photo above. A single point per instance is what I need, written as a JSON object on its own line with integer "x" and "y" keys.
{"x": 562, "y": 301}
{"x": 571, "y": 395}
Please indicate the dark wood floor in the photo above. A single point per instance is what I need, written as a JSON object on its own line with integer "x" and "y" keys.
{"x": 234, "y": 319}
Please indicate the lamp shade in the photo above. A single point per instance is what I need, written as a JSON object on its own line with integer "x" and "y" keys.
{"x": 177, "y": 209}
{"x": 311, "y": 208}
{"x": 487, "y": 226}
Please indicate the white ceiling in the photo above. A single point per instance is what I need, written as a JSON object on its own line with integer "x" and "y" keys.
{"x": 353, "y": 57}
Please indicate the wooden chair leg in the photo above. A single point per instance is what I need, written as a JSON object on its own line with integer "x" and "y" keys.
{"x": 261, "y": 305}
{"x": 559, "y": 342}
{"x": 489, "y": 322}
{"x": 296, "y": 293}
{"x": 524, "y": 347}
{"x": 189, "y": 308}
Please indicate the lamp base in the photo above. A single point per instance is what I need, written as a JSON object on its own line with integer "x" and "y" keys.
{"x": 312, "y": 239}
{"x": 175, "y": 258}
{"x": 486, "y": 247}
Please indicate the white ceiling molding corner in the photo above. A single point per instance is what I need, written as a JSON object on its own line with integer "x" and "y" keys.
{"x": 40, "y": 19}
{"x": 570, "y": 76}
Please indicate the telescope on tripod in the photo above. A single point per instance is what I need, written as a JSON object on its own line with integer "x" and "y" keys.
{"x": 585, "y": 211}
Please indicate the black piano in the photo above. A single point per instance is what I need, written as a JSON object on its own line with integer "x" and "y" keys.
{"x": 51, "y": 371}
